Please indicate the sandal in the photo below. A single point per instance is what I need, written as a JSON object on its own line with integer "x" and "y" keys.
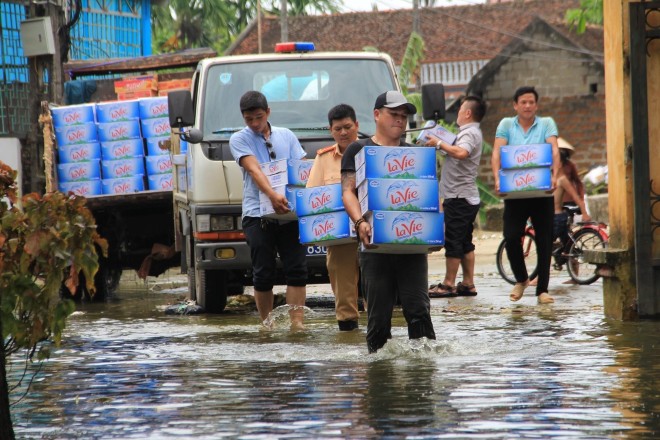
{"x": 442, "y": 291}
{"x": 465, "y": 290}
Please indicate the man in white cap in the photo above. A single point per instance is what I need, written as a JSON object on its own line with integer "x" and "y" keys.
{"x": 387, "y": 277}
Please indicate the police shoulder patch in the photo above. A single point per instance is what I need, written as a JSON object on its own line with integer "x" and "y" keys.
{"x": 325, "y": 150}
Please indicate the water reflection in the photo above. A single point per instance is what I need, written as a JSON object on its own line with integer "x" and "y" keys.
{"x": 128, "y": 371}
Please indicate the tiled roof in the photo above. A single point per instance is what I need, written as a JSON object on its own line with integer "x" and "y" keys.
{"x": 451, "y": 33}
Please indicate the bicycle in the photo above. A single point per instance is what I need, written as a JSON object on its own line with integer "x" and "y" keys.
{"x": 581, "y": 236}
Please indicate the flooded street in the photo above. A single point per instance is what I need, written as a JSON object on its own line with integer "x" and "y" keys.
{"x": 126, "y": 370}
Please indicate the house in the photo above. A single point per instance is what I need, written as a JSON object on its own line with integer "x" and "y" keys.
{"x": 489, "y": 49}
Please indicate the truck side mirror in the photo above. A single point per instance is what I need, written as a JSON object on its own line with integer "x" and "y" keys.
{"x": 180, "y": 109}
{"x": 433, "y": 102}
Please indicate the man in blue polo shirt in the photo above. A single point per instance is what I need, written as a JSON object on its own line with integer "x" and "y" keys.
{"x": 524, "y": 129}
{"x": 257, "y": 143}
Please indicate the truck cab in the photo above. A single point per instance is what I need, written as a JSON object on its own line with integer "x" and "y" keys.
{"x": 301, "y": 86}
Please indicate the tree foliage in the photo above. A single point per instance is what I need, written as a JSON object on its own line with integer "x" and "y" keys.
{"x": 589, "y": 12}
{"x": 185, "y": 24}
{"x": 50, "y": 240}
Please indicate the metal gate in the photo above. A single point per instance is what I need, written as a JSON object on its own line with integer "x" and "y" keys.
{"x": 646, "y": 192}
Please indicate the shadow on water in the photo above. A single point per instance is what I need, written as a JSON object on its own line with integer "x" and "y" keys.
{"x": 126, "y": 370}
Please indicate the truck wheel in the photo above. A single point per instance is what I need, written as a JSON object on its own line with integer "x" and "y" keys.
{"x": 210, "y": 289}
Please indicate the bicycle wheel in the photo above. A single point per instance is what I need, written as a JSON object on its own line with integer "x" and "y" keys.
{"x": 580, "y": 271}
{"x": 531, "y": 259}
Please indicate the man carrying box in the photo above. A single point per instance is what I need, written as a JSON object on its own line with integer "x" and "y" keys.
{"x": 386, "y": 277}
{"x": 458, "y": 189}
{"x": 342, "y": 261}
{"x": 257, "y": 143}
{"x": 524, "y": 129}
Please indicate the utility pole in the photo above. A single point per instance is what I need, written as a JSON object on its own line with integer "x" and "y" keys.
{"x": 415, "y": 23}
{"x": 284, "y": 22}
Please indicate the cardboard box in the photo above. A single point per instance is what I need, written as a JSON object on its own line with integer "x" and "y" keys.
{"x": 438, "y": 131}
{"x": 113, "y": 169}
{"x": 123, "y": 149}
{"x": 83, "y": 188}
{"x": 153, "y": 107}
{"x": 136, "y": 95}
{"x": 161, "y": 182}
{"x": 319, "y": 199}
{"x": 156, "y": 127}
{"x": 395, "y": 163}
{"x": 76, "y": 171}
{"x": 117, "y": 111}
{"x": 158, "y": 164}
{"x": 76, "y": 134}
{"x": 266, "y": 207}
{"x": 154, "y": 145}
{"x": 525, "y": 156}
{"x": 143, "y": 83}
{"x": 406, "y": 232}
{"x": 399, "y": 195}
{"x": 73, "y": 115}
{"x": 120, "y": 130}
{"x": 526, "y": 182}
{"x": 274, "y": 167}
{"x": 124, "y": 185}
{"x": 174, "y": 84}
{"x": 326, "y": 229}
{"x": 79, "y": 152}
{"x": 278, "y": 179}
{"x": 298, "y": 171}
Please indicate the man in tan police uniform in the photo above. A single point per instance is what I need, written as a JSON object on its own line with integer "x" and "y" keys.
{"x": 342, "y": 260}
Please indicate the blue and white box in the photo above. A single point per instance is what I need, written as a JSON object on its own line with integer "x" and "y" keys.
{"x": 274, "y": 167}
{"x": 163, "y": 182}
{"x": 526, "y": 183}
{"x": 155, "y": 107}
{"x": 117, "y": 111}
{"x": 79, "y": 152}
{"x": 76, "y": 134}
{"x": 120, "y": 130}
{"x": 85, "y": 188}
{"x": 72, "y": 115}
{"x": 298, "y": 171}
{"x": 399, "y": 195}
{"x": 395, "y": 163}
{"x": 154, "y": 143}
{"x": 124, "y": 149}
{"x": 439, "y": 132}
{"x": 319, "y": 199}
{"x": 124, "y": 185}
{"x": 156, "y": 127}
{"x": 75, "y": 171}
{"x": 525, "y": 156}
{"x": 328, "y": 229}
{"x": 266, "y": 207}
{"x": 159, "y": 164}
{"x": 113, "y": 169}
{"x": 406, "y": 232}
{"x": 290, "y": 193}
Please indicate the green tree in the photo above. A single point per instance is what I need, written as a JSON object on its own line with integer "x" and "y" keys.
{"x": 184, "y": 24}
{"x": 50, "y": 241}
{"x": 589, "y": 12}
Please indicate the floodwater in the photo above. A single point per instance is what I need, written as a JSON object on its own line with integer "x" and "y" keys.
{"x": 126, "y": 370}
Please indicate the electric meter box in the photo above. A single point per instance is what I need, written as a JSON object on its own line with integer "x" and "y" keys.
{"x": 37, "y": 37}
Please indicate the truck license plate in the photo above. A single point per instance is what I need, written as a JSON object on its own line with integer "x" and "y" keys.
{"x": 317, "y": 250}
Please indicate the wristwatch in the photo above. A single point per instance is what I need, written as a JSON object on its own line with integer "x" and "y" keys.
{"x": 437, "y": 147}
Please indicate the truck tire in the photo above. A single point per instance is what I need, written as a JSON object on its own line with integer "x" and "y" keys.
{"x": 211, "y": 290}
{"x": 207, "y": 287}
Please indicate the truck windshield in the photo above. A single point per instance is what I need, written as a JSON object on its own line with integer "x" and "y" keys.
{"x": 300, "y": 92}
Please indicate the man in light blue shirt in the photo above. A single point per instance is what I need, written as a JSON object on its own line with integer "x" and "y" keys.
{"x": 524, "y": 129}
{"x": 259, "y": 142}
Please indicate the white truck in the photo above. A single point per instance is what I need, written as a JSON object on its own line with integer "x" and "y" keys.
{"x": 301, "y": 86}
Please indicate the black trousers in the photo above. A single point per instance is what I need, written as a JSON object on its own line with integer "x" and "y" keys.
{"x": 386, "y": 277}
{"x": 541, "y": 212}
